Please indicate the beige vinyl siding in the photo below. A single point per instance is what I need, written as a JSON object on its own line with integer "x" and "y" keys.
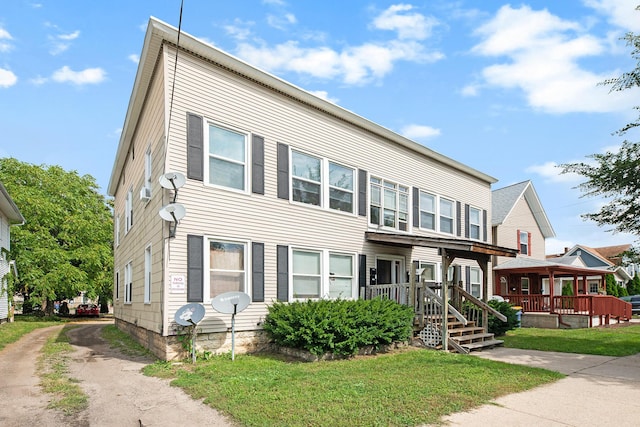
{"x": 147, "y": 225}
{"x": 521, "y": 218}
{"x": 224, "y": 98}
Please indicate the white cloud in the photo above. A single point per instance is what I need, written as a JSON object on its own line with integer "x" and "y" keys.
{"x": 552, "y": 172}
{"x": 61, "y": 42}
{"x": 135, "y": 58}
{"x": 281, "y": 22}
{"x": 4, "y": 45}
{"x": 408, "y": 25}
{"x": 419, "y": 131}
{"x": 274, "y": 2}
{"x": 7, "y": 78}
{"x": 86, "y": 76}
{"x": 619, "y": 12}
{"x": 470, "y": 90}
{"x": 324, "y": 95}
{"x": 38, "y": 81}
{"x": 4, "y": 34}
{"x": 543, "y": 54}
{"x": 239, "y": 30}
{"x": 355, "y": 65}
{"x": 70, "y": 36}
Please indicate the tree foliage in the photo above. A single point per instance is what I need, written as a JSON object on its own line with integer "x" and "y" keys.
{"x": 614, "y": 175}
{"x": 633, "y": 286}
{"x": 65, "y": 245}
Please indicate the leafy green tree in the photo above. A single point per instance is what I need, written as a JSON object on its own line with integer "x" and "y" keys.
{"x": 612, "y": 286}
{"x": 65, "y": 245}
{"x": 614, "y": 176}
{"x": 633, "y": 286}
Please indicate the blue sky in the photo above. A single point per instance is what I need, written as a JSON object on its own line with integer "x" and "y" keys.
{"x": 510, "y": 89}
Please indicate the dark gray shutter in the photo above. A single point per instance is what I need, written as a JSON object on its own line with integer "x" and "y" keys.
{"x": 283, "y": 171}
{"x": 195, "y": 147}
{"x": 484, "y": 225}
{"x": 257, "y": 171}
{"x": 362, "y": 270}
{"x": 362, "y": 192}
{"x": 195, "y": 268}
{"x": 459, "y": 219}
{"x": 257, "y": 271}
{"x": 466, "y": 221}
{"x": 282, "y": 291}
{"x": 416, "y": 207}
{"x": 467, "y": 274}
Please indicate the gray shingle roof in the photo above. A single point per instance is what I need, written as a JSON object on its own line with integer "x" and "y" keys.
{"x": 504, "y": 199}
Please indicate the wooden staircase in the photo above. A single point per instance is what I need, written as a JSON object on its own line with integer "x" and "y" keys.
{"x": 467, "y": 338}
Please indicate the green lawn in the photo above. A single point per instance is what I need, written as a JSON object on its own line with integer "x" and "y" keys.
{"x": 611, "y": 341}
{"x": 12, "y": 332}
{"x": 405, "y": 388}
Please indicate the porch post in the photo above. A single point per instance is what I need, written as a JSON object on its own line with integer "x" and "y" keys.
{"x": 585, "y": 285}
{"x": 484, "y": 267}
{"x": 575, "y": 285}
{"x": 551, "y": 286}
{"x": 445, "y": 301}
{"x": 604, "y": 283}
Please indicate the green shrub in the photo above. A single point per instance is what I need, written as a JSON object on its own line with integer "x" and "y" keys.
{"x": 497, "y": 326}
{"x": 338, "y": 326}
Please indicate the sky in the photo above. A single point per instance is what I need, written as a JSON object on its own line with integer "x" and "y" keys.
{"x": 510, "y": 89}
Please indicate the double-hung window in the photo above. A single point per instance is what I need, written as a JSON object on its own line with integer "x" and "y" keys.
{"x": 227, "y": 267}
{"x": 427, "y": 211}
{"x": 147, "y": 173}
{"x": 389, "y": 205}
{"x": 322, "y": 274}
{"x": 447, "y": 216}
{"x": 474, "y": 223}
{"x": 429, "y": 272}
{"x": 147, "y": 275}
{"x": 524, "y": 285}
{"x": 475, "y": 282}
{"x": 320, "y": 182}
{"x": 523, "y": 239}
{"x": 227, "y": 158}
{"x": 116, "y": 225}
{"x": 128, "y": 282}
{"x": 128, "y": 211}
{"x": 306, "y": 178}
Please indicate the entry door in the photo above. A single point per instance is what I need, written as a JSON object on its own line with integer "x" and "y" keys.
{"x": 390, "y": 270}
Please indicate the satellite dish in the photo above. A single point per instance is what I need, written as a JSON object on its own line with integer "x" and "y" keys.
{"x": 172, "y": 180}
{"x": 189, "y": 314}
{"x": 231, "y": 302}
{"x": 173, "y": 212}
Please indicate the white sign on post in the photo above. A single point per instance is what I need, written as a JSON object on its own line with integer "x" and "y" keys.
{"x": 178, "y": 284}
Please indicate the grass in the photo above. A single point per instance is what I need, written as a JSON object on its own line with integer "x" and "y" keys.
{"x": 123, "y": 342}
{"x": 68, "y": 397}
{"x": 409, "y": 387}
{"x": 12, "y": 332}
{"x": 611, "y": 341}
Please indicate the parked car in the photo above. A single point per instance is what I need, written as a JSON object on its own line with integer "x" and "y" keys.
{"x": 635, "y": 303}
{"x": 91, "y": 310}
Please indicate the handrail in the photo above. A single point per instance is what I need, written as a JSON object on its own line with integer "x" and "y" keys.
{"x": 452, "y": 309}
{"x": 481, "y": 304}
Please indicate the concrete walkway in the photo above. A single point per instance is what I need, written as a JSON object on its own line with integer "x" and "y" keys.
{"x": 599, "y": 391}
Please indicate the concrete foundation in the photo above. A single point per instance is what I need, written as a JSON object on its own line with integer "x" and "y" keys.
{"x": 554, "y": 321}
{"x": 172, "y": 347}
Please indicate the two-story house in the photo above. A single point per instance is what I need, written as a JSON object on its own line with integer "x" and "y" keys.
{"x": 9, "y": 215}
{"x": 278, "y": 194}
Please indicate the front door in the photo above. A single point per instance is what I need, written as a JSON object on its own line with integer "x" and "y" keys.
{"x": 390, "y": 270}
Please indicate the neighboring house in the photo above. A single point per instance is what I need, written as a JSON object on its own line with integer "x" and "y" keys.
{"x": 286, "y": 197}
{"x": 607, "y": 257}
{"x": 519, "y": 220}
{"x": 9, "y": 215}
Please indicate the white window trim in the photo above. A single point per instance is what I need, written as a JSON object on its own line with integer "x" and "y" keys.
{"x": 478, "y": 283}
{"x": 128, "y": 283}
{"x": 128, "y": 211}
{"x": 117, "y": 230}
{"x": 409, "y": 204}
{"x": 524, "y": 280}
{"x": 116, "y": 285}
{"x": 148, "y": 262}
{"x": 325, "y": 186}
{"x": 247, "y": 156}
{"x": 438, "y": 214}
{"x": 438, "y": 270}
{"x": 526, "y": 242}
{"x": 479, "y": 224}
{"x": 325, "y": 276}
{"x": 147, "y": 168}
{"x": 207, "y": 263}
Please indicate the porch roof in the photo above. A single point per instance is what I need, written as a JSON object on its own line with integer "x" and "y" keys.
{"x": 522, "y": 265}
{"x": 459, "y": 246}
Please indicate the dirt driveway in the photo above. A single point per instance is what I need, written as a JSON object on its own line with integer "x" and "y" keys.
{"x": 119, "y": 394}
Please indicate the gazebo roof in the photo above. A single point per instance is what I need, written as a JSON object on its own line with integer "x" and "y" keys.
{"x": 523, "y": 265}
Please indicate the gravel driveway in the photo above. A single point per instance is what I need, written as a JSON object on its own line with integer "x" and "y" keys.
{"x": 119, "y": 395}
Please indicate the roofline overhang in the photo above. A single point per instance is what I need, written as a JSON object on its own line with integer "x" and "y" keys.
{"x": 9, "y": 208}
{"x": 158, "y": 32}
{"x": 458, "y": 245}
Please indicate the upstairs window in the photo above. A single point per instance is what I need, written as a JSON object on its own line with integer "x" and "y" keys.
{"x": 427, "y": 211}
{"x": 524, "y": 242}
{"x": 147, "y": 170}
{"x": 128, "y": 282}
{"x": 340, "y": 187}
{"x": 447, "y": 216}
{"x": 306, "y": 178}
{"x": 227, "y": 158}
{"x": 128, "y": 211}
{"x": 475, "y": 226}
{"x": 389, "y": 205}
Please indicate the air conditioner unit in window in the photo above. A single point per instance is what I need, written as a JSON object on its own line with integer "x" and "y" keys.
{"x": 145, "y": 194}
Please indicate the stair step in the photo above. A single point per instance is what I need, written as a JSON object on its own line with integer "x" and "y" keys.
{"x": 482, "y": 344}
{"x": 462, "y": 339}
{"x": 465, "y": 331}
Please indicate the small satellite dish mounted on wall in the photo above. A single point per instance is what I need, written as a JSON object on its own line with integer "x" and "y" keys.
{"x": 172, "y": 213}
{"x": 172, "y": 181}
{"x": 231, "y": 303}
{"x": 190, "y": 315}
